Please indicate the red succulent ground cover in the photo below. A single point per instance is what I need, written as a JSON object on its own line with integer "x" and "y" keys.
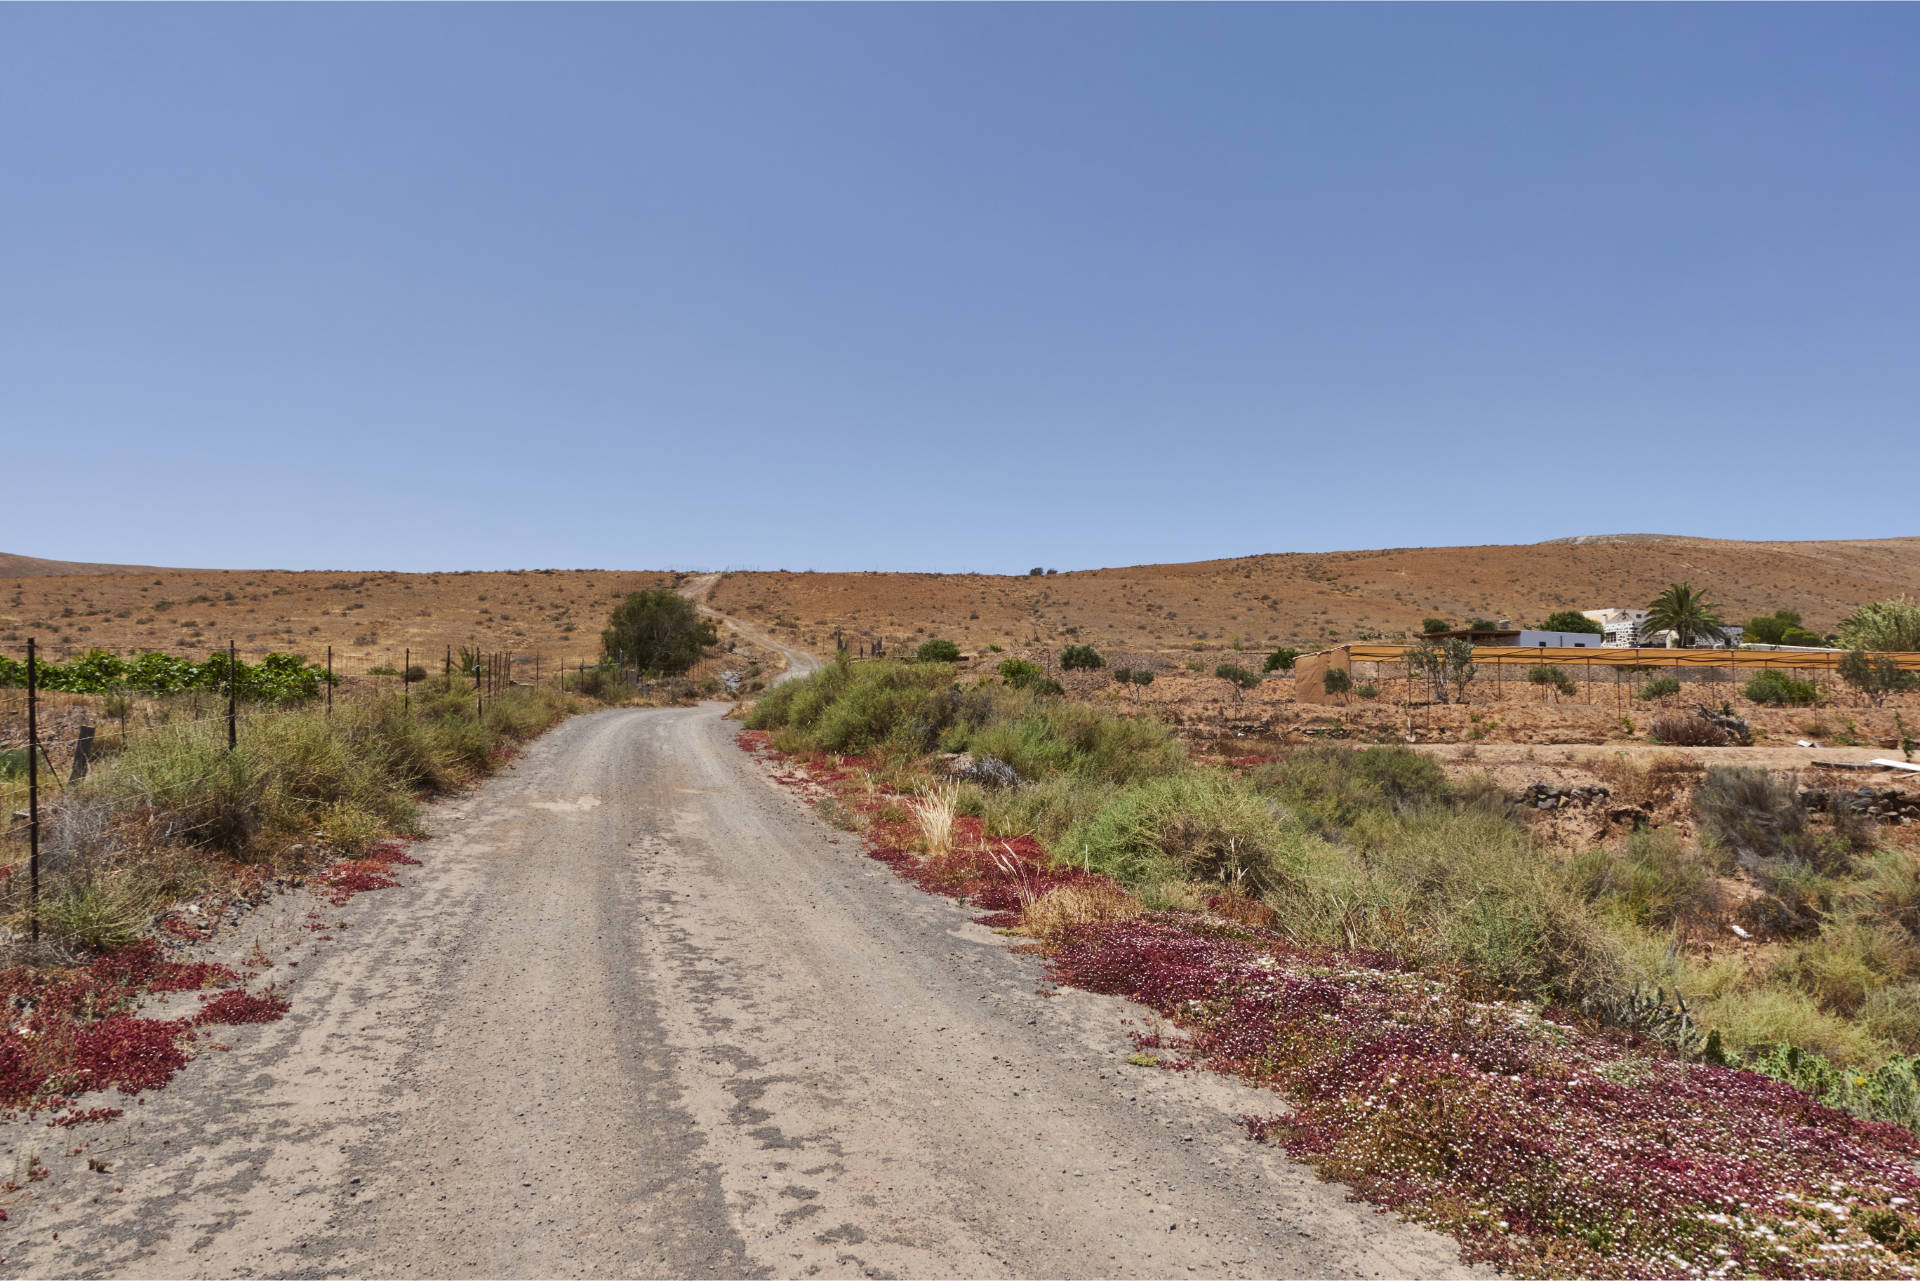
{"x": 371, "y": 871}
{"x": 1546, "y": 1147}
{"x": 73, "y": 1030}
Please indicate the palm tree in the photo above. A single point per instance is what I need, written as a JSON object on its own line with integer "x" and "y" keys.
{"x": 1688, "y": 614}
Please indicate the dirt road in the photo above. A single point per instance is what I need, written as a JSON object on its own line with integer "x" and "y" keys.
{"x": 640, "y": 1013}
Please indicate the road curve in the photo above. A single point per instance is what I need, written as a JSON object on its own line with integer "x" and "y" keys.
{"x": 799, "y": 661}
{"x": 640, "y": 1013}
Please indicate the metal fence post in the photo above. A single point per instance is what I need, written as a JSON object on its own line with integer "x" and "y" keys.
{"x": 329, "y": 680}
{"x": 406, "y": 682}
{"x": 233, "y": 696}
{"x": 33, "y": 789}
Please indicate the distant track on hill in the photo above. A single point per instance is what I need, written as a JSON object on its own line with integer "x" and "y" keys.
{"x": 799, "y": 661}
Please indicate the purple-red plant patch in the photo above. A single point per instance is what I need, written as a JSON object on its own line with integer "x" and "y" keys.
{"x": 240, "y": 1007}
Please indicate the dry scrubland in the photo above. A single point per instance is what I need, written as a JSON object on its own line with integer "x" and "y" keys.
{"x": 370, "y": 619}
{"x": 1305, "y": 600}
{"x": 1312, "y": 600}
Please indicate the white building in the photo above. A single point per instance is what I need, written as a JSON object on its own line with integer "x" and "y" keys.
{"x": 1627, "y": 629}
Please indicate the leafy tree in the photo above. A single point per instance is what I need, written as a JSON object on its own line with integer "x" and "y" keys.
{"x": 937, "y": 651}
{"x": 1281, "y": 660}
{"x": 1483, "y": 625}
{"x": 657, "y": 631}
{"x": 1432, "y": 625}
{"x": 1771, "y": 629}
{"x": 1238, "y": 677}
{"x": 1142, "y": 677}
{"x": 1448, "y": 665}
{"x": 1891, "y": 626}
{"x": 1035, "y": 572}
{"x": 1336, "y": 681}
{"x": 1876, "y": 675}
{"x": 1571, "y": 620}
{"x": 1081, "y": 658}
{"x": 1554, "y": 678}
{"x": 1688, "y": 614}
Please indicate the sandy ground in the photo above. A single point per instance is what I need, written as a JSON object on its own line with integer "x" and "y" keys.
{"x": 639, "y": 1013}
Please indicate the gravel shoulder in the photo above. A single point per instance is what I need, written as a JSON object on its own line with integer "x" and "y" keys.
{"x": 640, "y": 1013}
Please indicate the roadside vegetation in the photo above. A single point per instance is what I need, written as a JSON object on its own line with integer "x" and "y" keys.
{"x": 1468, "y": 1027}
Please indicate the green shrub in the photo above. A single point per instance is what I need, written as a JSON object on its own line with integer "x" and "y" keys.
{"x": 1654, "y": 880}
{"x": 1771, "y": 629}
{"x": 1658, "y": 687}
{"x": 1888, "y": 626}
{"x": 1043, "y": 736}
{"x": 937, "y": 651}
{"x": 1432, "y": 626}
{"x": 1336, "y": 681}
{"x": 1332, "y": 787}
{"x": 1205, "y": 825}
{"x": 1281, "y": 660}
{"x": 1019, "y": 673}
{"x": 1891, "y": 1092}
{"x": 1553, "y": 677}
{"x": 1571, "y": 620}
{"x": 1778, "y": 688}
{"x": 1367, "y": 690}
{"x": 1080, "y": 658}
{"x": 1122, "y": 675}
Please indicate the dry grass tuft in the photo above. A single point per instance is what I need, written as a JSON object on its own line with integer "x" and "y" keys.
{"x": 1065, "y": 908}
{"x": 933, "y": 813}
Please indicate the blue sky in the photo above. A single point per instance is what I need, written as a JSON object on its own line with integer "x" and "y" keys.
{"x": 949, "y": 288}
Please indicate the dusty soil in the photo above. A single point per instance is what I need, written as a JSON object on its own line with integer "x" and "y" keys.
{"x": 639, "y": 1013}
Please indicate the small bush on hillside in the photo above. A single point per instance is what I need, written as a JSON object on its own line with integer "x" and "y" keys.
{"x": 937, "y": 651}
{"x": 1552, "y": 677}
{"x": 1336, "y": 681}
{"x": 1367, "y": 690}
{"x": 1658, "y": 687}
{"x": 1687, "y": 731}
{"x": 1432, "y": 625}
{"x": 416, "y": 674}
{"x": 1239, "y": 677}
{"x": 1281, "y": 660}
{"x": 1780, "y": 689}
{"x": 1019, "y": 673}
{"x": 1076, "y": 658}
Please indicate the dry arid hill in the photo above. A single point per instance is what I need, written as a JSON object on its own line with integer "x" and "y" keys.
{"x": 1312, "y": 599}
{"x": 1300, "y": 599}
{"x": 12, "y": 566}
{"x": 369, "y": 618}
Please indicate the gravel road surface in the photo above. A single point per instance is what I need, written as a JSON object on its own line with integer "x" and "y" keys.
{"x": 640, "y": 1013}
